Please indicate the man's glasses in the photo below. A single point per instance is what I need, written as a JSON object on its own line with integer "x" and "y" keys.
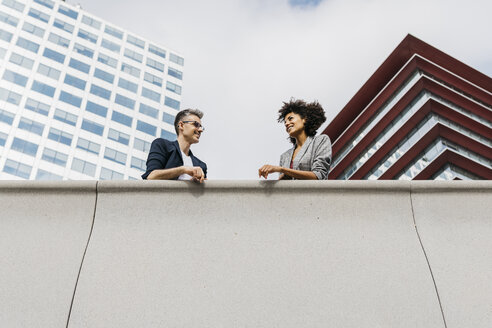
{"x": 196, "y": 124}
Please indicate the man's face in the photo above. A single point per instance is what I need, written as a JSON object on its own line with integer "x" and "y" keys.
{"x": 189, "y": 129}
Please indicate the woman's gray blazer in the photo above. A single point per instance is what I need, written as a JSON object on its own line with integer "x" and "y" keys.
{"x": 315, "y": 156}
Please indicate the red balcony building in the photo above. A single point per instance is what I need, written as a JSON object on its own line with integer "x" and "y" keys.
{"x": 421, "y": 115}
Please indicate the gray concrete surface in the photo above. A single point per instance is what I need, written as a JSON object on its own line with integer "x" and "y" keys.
{"x": 246, "y": 254}
{"x": 44, "y": 229}
{"x": 455, "y": 226}
{"x": 250, "y": 254}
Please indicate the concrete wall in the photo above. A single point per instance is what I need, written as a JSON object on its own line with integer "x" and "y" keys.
{"x": 246, "y": 254}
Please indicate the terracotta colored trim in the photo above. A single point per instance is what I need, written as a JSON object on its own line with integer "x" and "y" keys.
{"x": 390, "y": 67}
{"x": 450, "y": 157}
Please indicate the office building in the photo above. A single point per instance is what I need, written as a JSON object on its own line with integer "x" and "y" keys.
{"x": 422, "y": 115}
{"x": 80, "y": 98}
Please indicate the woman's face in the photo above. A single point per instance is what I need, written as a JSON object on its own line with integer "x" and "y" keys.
{"x": 294, "y": 124}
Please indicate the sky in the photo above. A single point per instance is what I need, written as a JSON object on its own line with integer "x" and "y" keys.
{"x": 243, "y": 58}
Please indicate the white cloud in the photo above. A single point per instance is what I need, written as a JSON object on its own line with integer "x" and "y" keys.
{"x": 244, "y": 57}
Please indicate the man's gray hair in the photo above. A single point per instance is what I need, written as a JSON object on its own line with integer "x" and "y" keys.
{"x": 184, "y": 113}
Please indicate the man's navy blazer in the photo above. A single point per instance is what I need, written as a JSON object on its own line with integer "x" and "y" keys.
{"x": 165, "y": 154}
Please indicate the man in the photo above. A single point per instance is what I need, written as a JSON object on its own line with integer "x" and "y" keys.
{"x": 173, "y": 160}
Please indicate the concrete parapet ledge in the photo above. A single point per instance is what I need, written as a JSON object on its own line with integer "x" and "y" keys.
{"x": 44, "y": 228}
{"x": 246, "y": 253}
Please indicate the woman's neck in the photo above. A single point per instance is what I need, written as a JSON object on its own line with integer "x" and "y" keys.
{"x": 301, "y": 139}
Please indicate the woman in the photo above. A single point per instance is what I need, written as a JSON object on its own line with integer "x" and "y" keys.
{"x": 310, "y": 157}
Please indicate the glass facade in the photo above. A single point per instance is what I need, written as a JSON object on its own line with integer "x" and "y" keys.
{"x": 432, "y": 152}
{"x": 89, "y": 98}
{"x": 416, "y": 134}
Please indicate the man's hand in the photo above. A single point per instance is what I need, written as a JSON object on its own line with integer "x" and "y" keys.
{"x": 196, "y": 173}
{"x": 265, "y": 170}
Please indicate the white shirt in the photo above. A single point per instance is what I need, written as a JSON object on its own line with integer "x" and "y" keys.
{"x": 186, "y": 162}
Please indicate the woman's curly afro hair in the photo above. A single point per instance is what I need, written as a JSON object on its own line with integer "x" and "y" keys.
{"x": 312, "y": 112}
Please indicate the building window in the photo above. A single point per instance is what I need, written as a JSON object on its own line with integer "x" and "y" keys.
{"x": 35, "y": 30}
{"x": 65, "y": 117}
{"x": 130, "y": 69}
{"x": 56, "y": 39}
{"x": 39, "y": 15}
{"x": 176, "y": 59}
{"x": 16, "y": 5}
{"x": 107, "y": 174}
{"x": 6, "y": 36}
{"x": 83, "y": 50}
{"x": 146, "y": 128}
{"x": 114, "y": 47}
{"x": 91, "y": 22}
{"x": 168, "y": 135}
{"x": 157, "y": 51}
{"x": 115, "y": 156}
{"x": 133, "y": 55}
{"x": 173, "y": 87}
{"x": 96, "y": 109}
{"x": 105, "y": 76}
{"x": 70, "y": 99}
{"x": 15, "y": 78}
{"x": 3, "y": 138}
{"x": 152, "y": 95}
{"x": 10, "y": 96}
{"x": 125, "y": 84}
{"x": 54, "y": 157}
{"x": 68, "y": 12}
{"x": 60, "y": 136}
{"x": 135, "y": 41}
{"x": 31, "y": 126}
{"x": 37, "y": 106}
{"x": 25, "y": 147}
{"x": 91, "y": 37}
{"x": 118, "y": 136}
{"x": 148, "y": 110}
{"x": 138, "y": 164}
{"x": 175, "y": 73}
{"x": 155, "y": 64}
{"x": 121, "y": 118}
{"x": 17, "y": 169}
{"x": 6, "y": 117}
{"x": 84, "y": 167}
{"x": 93, "y": 127}
{"x": 21, "y": 60}
{"x": 89, "y": 146}
{"x": 168, "y": 118}
{"x": 63, "y": 25}
{"x": 6, "y": 18}
{"x": 153, "y": 79}
{"x": 43, "y": 88}
{"x": 124, "y": 101}
{"x": 47, "y": 3}
{"x": 107, "y": 60}
{"x": 74, "y": 81}
{"x": 78, "y": 65}
{"x": 54, "y": 55}
{"x": 101, "y": 92}
{"x": 141, "y": 145}
{"x": 2, "y": 53}
{"x": 28, "y": 45}
{"x": 114, "y": 32}
{"x": 49, "y": 71}
{"x": 45, "y": 175}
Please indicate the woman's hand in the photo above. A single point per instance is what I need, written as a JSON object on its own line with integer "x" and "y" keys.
{"x": 265, "y": 170}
